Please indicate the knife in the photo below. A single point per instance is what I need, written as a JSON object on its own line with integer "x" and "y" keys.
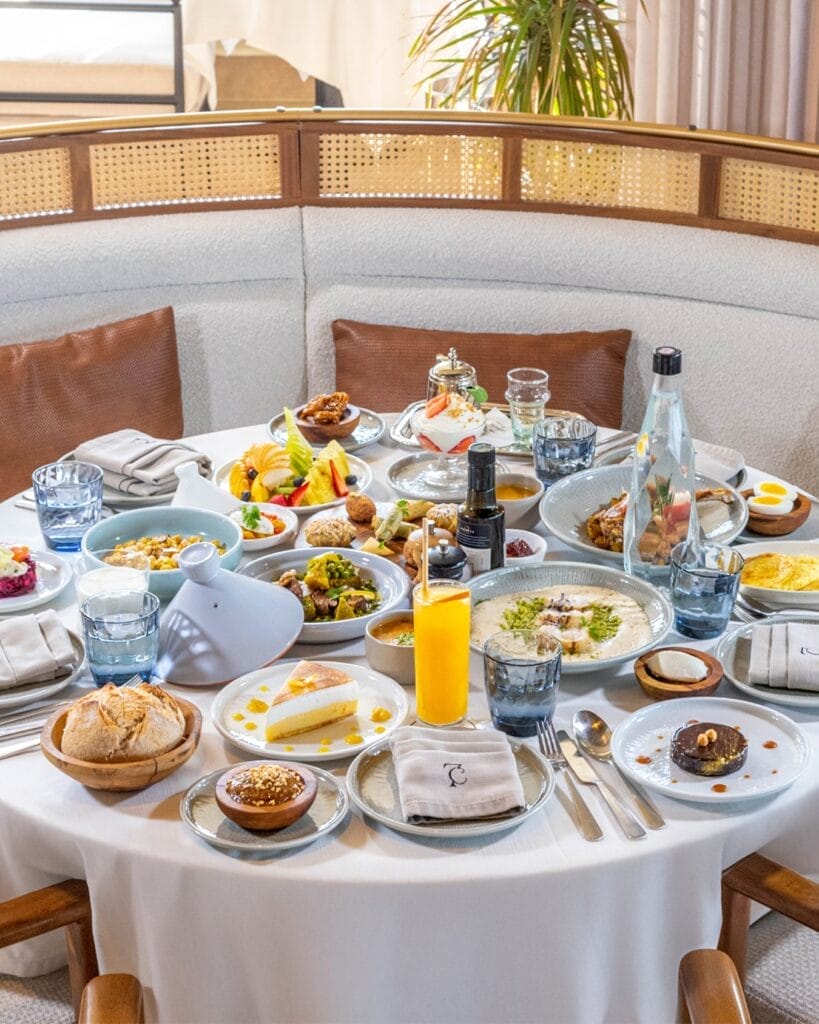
{"x": 584, "y": 773}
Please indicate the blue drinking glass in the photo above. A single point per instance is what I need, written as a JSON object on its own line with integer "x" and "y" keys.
{"x": 521, "y": 670}
{"x": 562, "y": 445}
{"x": 704, "y": 586}
{"x": 68, "y": 496}
{"x": 121, "y": 634}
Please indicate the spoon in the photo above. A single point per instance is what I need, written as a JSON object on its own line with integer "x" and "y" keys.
{"x": 594, "y": 738}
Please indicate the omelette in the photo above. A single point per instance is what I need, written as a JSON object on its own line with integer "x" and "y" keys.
{"x": 782, "y": 572}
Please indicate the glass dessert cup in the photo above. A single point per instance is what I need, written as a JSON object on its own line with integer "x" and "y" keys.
{"x": 446, "y": 472}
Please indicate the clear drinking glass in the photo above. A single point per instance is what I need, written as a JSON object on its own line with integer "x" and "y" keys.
{"x": 521, "y": 670}
{"x": 121, "y": 633}
{"x": 704, "y": 585}
{"x": 527, "y": 393}
{"x": 68, "y": 496}
{"x": 129, "y": 572}
{"x": 562, "y": 445}
{"x": 441, "y": 616}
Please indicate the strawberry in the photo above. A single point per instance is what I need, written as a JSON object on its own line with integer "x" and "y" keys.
{"x": 462, "y": 446}
{"x": 339, "y": 486}
{"x": 425, "y": 442}
{"x": 297, "y": 496}
{"x": 436, "y": 405}
{"x": 278, "y": 499}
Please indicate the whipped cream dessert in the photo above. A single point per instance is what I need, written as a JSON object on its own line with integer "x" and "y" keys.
{"x": 448, "y": 423}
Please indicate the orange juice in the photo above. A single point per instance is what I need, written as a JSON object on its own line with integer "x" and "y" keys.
{"x": 441, "y": 651}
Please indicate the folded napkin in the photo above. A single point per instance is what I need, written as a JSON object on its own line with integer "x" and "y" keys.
{"x": 785, "y": 655}
{"x": 498, "y": 429}
{"x": 135, "y": 463}
{"x": 455, "y": 773}
{"x": 717, "y": 461}
{"x": 34, "y": 649}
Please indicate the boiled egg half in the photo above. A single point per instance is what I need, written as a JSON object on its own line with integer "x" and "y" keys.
{"x": 772, "y": 499}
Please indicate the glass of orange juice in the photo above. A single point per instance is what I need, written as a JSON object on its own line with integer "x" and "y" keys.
{"x": 441, "y": 617}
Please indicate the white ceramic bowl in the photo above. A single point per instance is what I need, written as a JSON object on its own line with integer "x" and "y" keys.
{"x": 390, "y": 580}
{"x": 358, "y": 467}
{"x": 277, "y": 540}
{"x": 519, "y": 510}
{"x": 534, "y": 540}
{"x": 525, "y": 578}
{"x": 393, "y": 660}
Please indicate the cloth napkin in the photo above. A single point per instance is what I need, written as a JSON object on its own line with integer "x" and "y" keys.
{"x": 717, "y": 461}
{"x": 34, "y": 649}
{"x": 455, "y": 774}
{"x": 498, "y": 429}
{"x": 136, "y": 463}
{"x": 785, "y": 655}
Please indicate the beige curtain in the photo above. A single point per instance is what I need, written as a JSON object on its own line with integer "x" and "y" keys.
{"x": 749, "y": 66}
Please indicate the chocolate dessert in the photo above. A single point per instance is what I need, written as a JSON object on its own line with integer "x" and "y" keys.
{"x": 706, "y": 748}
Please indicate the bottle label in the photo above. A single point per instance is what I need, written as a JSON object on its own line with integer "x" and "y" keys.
{"x": 476, "y": 541}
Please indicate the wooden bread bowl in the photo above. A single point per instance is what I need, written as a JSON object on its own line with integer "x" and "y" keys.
{"x": 322, "y": 432}
{"x": 663, "y": 689}
{"x": 270, "y": 817}
{"x": 121, "y": 776}
{"x": 778, "y": 526}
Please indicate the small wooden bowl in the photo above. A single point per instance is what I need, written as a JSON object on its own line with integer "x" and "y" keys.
{"x": 778, "y": 526}
{"x": 266, "y": 819}
{"x": 662, "y": 689}
{"x": 121, "y": 776}
{"x": 328, "y": 431}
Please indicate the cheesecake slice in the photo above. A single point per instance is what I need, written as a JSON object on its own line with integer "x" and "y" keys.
{"x": 312, "y": 695}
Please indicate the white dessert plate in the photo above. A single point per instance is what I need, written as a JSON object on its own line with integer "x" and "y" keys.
{"x": 806, "y": 599}
{"x": 276, "y": 540}
{"x": 53, "y": 576}
{"x": 375, "y": 691}
{"x": 202, "y": 814}
{"x": 373, "y": 788}
{"x": 525, "y": 578}
{"x": 381, "y": 507}
{"x": 648, "y": 732}
{"x": 567, "y": 505}
{"x": 361, "y": 470}
{"x": 32, "y": 692}
{"x": 734, "y": 652}
{"x": 370, "y": 429}
{"x": 390, "y": 580}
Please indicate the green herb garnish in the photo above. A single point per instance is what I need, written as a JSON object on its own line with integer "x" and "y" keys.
{"x": 603, "y": 623}
{"x": 524, "y": 614}
{"x": 251, "y": 517}
{"x": 405, "y": 639}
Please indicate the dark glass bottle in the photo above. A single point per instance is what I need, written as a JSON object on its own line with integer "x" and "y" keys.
{"x": 481, "y": 518}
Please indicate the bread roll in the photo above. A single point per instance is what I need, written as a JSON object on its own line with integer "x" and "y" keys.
{"x": 128, "y": 724}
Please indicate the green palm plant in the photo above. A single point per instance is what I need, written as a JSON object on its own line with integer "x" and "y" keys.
{"x": 537, "y": 56}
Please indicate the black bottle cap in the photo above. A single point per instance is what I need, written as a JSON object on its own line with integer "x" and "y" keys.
{"x": 667, "y": 360}
{"x": 481, "y": 454}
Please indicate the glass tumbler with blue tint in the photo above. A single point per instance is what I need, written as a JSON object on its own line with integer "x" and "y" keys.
{"x": 121, "y": 634}
{"x": 68, "y": 496}
{"x": 521, "y": 670}
{"x": 704, "y": 586}
{"x": 562, "y": 445}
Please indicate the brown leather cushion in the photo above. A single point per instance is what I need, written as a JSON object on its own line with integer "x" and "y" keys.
{"x": 61, "y": 392}
{"x": 385, "y": 368}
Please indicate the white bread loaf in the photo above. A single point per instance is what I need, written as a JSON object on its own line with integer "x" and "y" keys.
{"x": 128, "y": 724}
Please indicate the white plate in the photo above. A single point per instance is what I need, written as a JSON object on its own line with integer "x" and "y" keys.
{"x": 53, "y": 576}
{"x": 357, "y": 466}
{"x": 717, "y": 461}
{"x": 567, "y": 505}
{"x": 201, "y": 813}
{"x": 781, "y": 598}
{"x": 525, "y": 578}
{"x": 33, "y": 692}
{"x": 277, "y": 540}
{"x": 381, "y": 507}
{"x": 648, "y": 732}
{"x": 373, "y": 788}
{"x": 375, "y": 690}
{"x": 733, "y": 651}
{"x": 370, "y": 429}
{"x": 390, "y": 580}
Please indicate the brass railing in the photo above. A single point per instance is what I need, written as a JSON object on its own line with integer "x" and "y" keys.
{"x": 186, "y": 162}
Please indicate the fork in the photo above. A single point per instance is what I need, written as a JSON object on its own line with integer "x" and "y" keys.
{"x": 549, "y": 747}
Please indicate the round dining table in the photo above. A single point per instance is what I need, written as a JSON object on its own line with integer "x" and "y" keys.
{"x": 370, "y": 925}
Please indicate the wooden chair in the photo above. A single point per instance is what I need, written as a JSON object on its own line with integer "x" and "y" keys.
{"x": 97, "y": 999}
{"x": 712, "y": 980}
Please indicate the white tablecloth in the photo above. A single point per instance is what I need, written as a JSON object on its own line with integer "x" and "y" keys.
{"x": 369, "y": 925}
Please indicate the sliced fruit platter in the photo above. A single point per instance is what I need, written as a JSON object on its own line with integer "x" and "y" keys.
{"x": 293, "y": 475}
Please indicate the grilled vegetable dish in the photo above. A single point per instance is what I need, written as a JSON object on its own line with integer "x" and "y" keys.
{"x": 331, "y": 588}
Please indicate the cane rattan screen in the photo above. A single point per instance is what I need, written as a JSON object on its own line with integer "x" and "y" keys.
{"x": 35, "y": 183}
{"x": 768, "y": 193}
